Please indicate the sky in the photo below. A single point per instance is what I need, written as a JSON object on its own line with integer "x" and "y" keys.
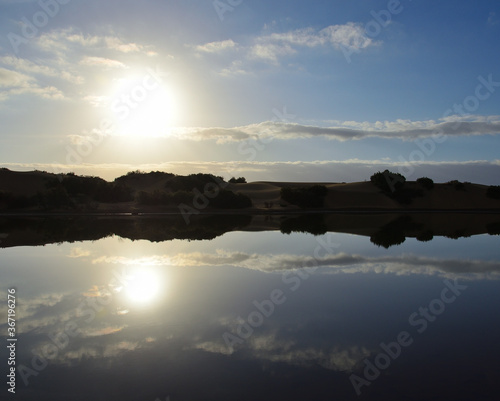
{"x": 276, "y": 90}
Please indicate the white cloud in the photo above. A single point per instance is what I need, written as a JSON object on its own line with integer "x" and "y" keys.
{"x": 11, "y": 79}
{"x": 271, "y": 52}
{"x": 493, "y": 19}
{"x": 235, "y": 69}
{"x": 102, "y": 62}
{"x": 216, "y": 47}
{"x": 20, "y": 84}
{"x": 20, "y": 64}
{"x": 276, "y": 45}
{"x": 336, "y": 263}
{"x": 78, "y": 253}
{"x": 349, "y": 130}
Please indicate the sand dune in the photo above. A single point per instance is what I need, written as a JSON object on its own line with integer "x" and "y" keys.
{"x": 361, "y": 196}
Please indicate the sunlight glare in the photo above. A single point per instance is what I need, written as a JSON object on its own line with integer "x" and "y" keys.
{"x": 143, "y": 106}
{"x": 143, "y": 286}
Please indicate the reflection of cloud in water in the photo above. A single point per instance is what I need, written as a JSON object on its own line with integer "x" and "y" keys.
{"x": 78, "y": 253}
{"x": 340, "y": 262}
{"x": 269, "y": 348}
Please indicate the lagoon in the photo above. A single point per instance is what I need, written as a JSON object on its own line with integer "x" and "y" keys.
{"x": 234, "y": 308}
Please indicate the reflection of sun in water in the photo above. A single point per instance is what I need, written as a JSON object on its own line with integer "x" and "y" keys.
{"x": 144, "y": 105}
{"x": 143, "y": 286}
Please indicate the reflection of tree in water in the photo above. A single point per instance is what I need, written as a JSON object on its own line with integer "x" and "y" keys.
{"x": 393, "y": 233}
{"x": 493, "y": 228}
{"x": 424, "y": 236}
{"x": 40, "y": 231}
{"x": 311, "y": 223}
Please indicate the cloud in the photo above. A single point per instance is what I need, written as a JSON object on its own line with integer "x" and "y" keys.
{"x": 10, "y": 79}
{"x": 216, "y": 47}
{"x": 102, "y": 62}
{"x": 493, "y": 19}
{"x": 78, "y": 253}
{"x": 20, "y": 64}
{"x": 342, "y": 131}
{"x": 350, "y": 36}
{"x": 269, "y": 347}
{"x": 16, "y": 83}
{"x": 336, "y": 263}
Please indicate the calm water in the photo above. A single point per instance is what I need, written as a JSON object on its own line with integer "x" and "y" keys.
{"x": 254, "y": 315}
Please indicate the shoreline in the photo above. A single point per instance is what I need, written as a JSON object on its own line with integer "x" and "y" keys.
{"x": 251, "y": 212}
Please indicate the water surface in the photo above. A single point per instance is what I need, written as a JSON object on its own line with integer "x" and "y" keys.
{"x": 251, "y": 313}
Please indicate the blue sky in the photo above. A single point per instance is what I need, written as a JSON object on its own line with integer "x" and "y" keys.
{"x": 272, "y": 90}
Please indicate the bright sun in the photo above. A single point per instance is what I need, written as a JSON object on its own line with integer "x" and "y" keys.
{"x": 144, "y": 105}
{"x": 143, "y": 286}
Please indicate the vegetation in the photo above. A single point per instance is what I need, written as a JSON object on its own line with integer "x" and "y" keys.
{"x": 425, "y": 182}
{"x": 493, "y": 192}
{"x": 163, "y": 198}
{"x": 459, "y": 186}
{"x": 193, "y": 181}
{"x": 493, "y": 228}
{"x": 393, "y": 185}
{"x": 223, "y": 199}
{"x": 230, "y": 200}
{"x": 388, "y": 181}
{"x": 313, "y": 224}
{"x": 425, "y": 236}
{"x": 94, "y": 188}
{"x": 240, "y": 180}
{"x": 11, "y": 201}
{"x": 137, "y": 174}
{"x": 304, "y": 197}
{"x": 394, "y": 233}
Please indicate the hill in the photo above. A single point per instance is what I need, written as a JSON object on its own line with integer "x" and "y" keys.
{"x": 160, "y": 192}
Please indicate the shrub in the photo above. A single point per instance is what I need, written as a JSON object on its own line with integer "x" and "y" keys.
{"x": 388, "y": 181}
{"x": 230, "y": 200}
{"x": 240, "y": 180}
{"x": 192, "y": 181}
{"x": 425, "y": 236}
{"x": 493, "y": 192}
{"x": 426, "y": 182}
{"x": 303, "y": 197}
{"x": 459, "y": 186}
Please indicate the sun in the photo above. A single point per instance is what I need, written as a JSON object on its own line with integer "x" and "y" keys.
{"x": 144, "y": 105}
{"x": 143, "y": 287}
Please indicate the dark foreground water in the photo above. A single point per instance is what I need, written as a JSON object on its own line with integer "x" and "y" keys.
{"x": 250, "y": 315}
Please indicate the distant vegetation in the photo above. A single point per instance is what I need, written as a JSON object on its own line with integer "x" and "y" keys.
{"x": 425, "y": 182}
{"x": 459, "y": 186}
{"x": 394, "y": 186}
{"x": 240, "y": 180}
{"x": 493, "y": 192}
{"x": 313, "y": 224}
{"x": 198, "y": 181}
{"x": 388, "y": 181}
{"x": 70, "y": 191}
{"x": 304, "y": 197}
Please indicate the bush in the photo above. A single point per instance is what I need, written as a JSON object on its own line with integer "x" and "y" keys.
{"x": 459, "y": 186}
{"x": 55, "y": 198}
{"x": 193, "y": 181}
{"x": 240, "y": 180}
{"x": 303, "y": 197}
{"x": 388, "y": 181}
{"x": 94, "y": 188}
{"x": 425, "y": 236}
{"x": 17, "y": 201}
{"x": 425, "y": 182}
{"x": 493, "y": 192}
{"x": 230, "y": 200}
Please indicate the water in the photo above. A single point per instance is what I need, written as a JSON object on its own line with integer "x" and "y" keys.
{"x": 251, "y": 313}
